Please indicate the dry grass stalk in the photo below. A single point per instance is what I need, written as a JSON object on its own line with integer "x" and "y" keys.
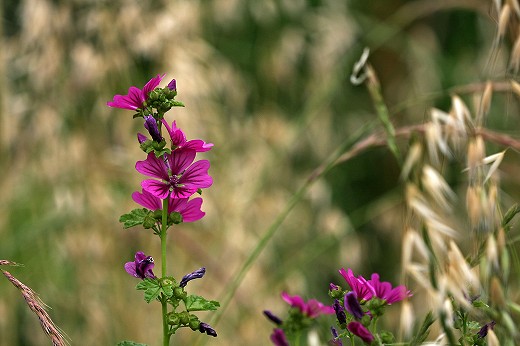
{"x": 37, "y": 306}
{"x": 8, "y": 263}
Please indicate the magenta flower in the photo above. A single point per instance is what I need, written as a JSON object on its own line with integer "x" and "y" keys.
{"x": 142, "y": 266}
{"x": 361, "y": 331}
{"x": 278, "y": 338}
{"x": 180, "y": 176}
{"x": 189, "y": 209}
{"x": 358, "y": 284}
{"x": 312, "y": 308}
{"x": 135, "y": 97}
{"x": 383, "y": 290}
{"x": 179, "y": 141}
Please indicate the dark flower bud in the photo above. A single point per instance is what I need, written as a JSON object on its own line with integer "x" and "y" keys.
{"x": 352, "y": 305}
{"x": 482, "y": 333}
{"x": 197, "y": 274}
{"x": 335, "y": 341}
{"x": 340, "y": 312}
{"x": 206, "y": 328}
{"x": 151, "y": 125}
{"x": 273, "y": 318}
{"x": 172, "y": 85}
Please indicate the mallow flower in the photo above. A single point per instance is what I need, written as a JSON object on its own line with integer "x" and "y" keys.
{"x": 312, "y": 308}
{"x": 179, "y": 176}
{"x": 135, "y": 97}
{"x": 361, "y": 331}
{"x": 179, "y": 141}
{"x": 360, "y": 285}
{"x": 141, "y": 267}
{"x": 278, "y": 338}
{"x": 383, "y": 290}
{"x": 188, "y": 208}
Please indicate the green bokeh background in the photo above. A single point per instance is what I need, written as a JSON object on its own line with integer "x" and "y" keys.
{"x": 266, "y": 81}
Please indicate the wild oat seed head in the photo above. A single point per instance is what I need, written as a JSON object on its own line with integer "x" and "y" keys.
{"x": 413, "y": 157}
{"x": 492, "y": 339}
{"x": 476, "y": 153}
{"x": 503, "y": 19}
{"x": 437, "y": 187}
{"x": 496, "y": 293}
{"x": 407, "y": 318}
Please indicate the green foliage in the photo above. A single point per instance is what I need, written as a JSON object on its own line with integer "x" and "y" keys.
{"x": 136, "y": 217}
{"x": 151, "y": 287}
{"x": 198, "y": 303}
{"x": 129, "y": 343}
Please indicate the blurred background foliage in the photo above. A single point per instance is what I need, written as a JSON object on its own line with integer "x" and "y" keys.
{"x": 266, "y": 81}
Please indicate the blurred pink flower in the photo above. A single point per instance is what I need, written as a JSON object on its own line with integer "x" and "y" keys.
{"x": 278, "y": 338}
{"x": 383, "y": 290}
{"x": 361, "y": 331}
{"x": 180, "y": 176}
{"x": 135, "y": 97}
{"x": 312, "y": 308}
{"x": 189, "y": 209}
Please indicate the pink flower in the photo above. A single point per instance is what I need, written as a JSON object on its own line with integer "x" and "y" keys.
{"x": 179, "y": 139}
{"x": 180, "y": 176}
{"x": 142, "y": 266}
{"x": 360, "y": 330}
{"x": 190, "y": 210}
{"x": 312, "y": 308}
{"x": 135, "y": 97}
{"x": 383, "y": 290}
{"x": 360, "y": 285}
{"x": 278, "y": 338}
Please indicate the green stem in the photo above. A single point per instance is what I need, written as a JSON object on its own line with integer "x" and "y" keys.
{"x": 164, "y": 304}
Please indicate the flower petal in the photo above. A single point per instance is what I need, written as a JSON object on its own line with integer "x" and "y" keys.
{"x": 196, "y": 176}
{"x": 180, "y": 159}
{"x": 147, "y": 200}
{"x": 156, "y": 188}
{"x": 152, "y": 84}
{"x": 153, "y": 167}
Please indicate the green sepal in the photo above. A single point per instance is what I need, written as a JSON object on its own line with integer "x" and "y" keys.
{"x": 198, "y": 303}
{"x": 159, "y": 148}
{"x": 175, "y": 103}
{"x": 167, "y": 285}
{"x": 136, "y": 217}
{"x": 174, "y": 218}
{"x": 151, "y": 288}
{"x": 130, "y": 343}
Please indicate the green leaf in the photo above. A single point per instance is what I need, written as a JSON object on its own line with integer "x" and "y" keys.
{"x": 134, "y": 218}
{"x": 151, "y": 288}
{"x": 130, "y": 343}
{"x": 198, "y": 303}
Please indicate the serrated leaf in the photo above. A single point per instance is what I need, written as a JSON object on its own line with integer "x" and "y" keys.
{"x": 130, "y": 343}
{"x": 198, "y": 303}
{"x": 134, "y": 218}
{"x": 151, "y": 289}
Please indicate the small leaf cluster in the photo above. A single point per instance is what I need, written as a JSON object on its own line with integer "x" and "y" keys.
{"x": 149, "y": 219}
{"x": 168, "y": 290}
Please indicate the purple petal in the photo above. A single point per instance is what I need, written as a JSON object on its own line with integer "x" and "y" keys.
{"x": 196, "y": 176}
{"x": 180, "y": 159}
{"x": 141, "y": 138}
{"x": 130, "y": 269}
{"x": 361, "y": 331}
{"x": 147, "y": 200}
{"x": 273, "y": 318}
{"x": 198, "y": 145}
{"x": 206, "y": 328}
{"x": 278, "y": 338}
{"x": 157, "y": 188}
{"x": 153, "y": 167}
{"x": 172, "y": 85}
{"x": 151, "y": 125}
{"x": 152, "y": 84}
{"x": 352, "y": 305}
{"x": 190, "y": 210}
{"x": 197, "y": 274}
